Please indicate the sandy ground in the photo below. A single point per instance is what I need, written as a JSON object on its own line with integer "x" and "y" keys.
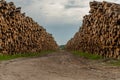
{"x": 57, "y": 66}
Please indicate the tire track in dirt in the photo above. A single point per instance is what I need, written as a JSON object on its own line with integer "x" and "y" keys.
{"x": 61, "y": 65}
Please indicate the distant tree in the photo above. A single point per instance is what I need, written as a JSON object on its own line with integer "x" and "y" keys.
{"x": 62, "y": 47}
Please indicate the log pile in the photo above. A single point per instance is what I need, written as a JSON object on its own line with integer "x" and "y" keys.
{"x": 100, "y": 31}
{"x": 19, "y": 33}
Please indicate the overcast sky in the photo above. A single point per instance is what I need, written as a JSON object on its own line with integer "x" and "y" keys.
{"x": 62, "y": 18}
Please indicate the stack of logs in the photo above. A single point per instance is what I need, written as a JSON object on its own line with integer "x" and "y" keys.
{"x": 100, "y": 31}
{"x": 19, "y": 33}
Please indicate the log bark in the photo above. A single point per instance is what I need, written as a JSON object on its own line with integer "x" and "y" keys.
{"x": 100, "y": 31}
{"x": 20, "y": 33}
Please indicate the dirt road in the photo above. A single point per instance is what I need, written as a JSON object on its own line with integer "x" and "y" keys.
{"x": 57, "y": 66}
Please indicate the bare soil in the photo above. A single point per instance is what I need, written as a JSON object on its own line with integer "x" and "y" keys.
{"x": 60, "y": 65}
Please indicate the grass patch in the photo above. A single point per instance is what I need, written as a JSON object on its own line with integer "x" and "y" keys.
{"x": 20, "y": 55}
{"x": 113, "y": 62}
{"x": 87, "y": 55}
{"x": 107, "y": 61}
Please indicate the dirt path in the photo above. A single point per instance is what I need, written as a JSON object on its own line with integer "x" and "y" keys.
{"x": 57, "y": 66}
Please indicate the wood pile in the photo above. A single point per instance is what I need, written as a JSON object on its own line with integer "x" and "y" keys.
{"x": 19, "y": 33}
{"x": 100, "y": 31}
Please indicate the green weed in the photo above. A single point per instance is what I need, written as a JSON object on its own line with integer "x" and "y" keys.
{"x": 87, "y": 55}
{"x": 19, "y": 55}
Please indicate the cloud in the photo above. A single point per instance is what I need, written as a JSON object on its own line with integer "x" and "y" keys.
{"x": 75, "y": 4}
{"x": 53, "y": 11}
{"x": 63, "y": 15}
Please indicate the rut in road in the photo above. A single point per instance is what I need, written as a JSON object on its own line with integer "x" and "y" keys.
{"x": 61, "y": 65}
